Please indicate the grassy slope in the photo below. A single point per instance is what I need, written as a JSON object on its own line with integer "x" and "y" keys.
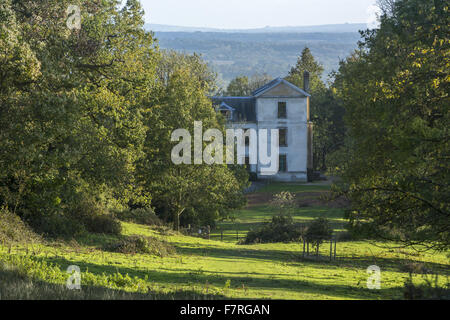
{"x": 274, "y": 271}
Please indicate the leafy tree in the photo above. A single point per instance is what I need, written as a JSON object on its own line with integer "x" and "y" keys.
{"x": 180, "y": 190}
{"x": 71, "y": 126}
{"x": 318, "y": 231}
{"x": 395, "y": 164}
{"x": 244, "y": 86}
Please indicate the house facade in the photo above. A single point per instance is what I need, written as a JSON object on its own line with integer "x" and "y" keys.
{"x": 277, "y": 105}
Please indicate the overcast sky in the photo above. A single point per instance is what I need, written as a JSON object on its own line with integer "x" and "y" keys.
{"x": 256, "y": 13}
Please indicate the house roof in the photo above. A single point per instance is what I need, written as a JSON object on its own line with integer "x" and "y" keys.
{"x": 272, "y": 84}
{"x": 244, "y": 108}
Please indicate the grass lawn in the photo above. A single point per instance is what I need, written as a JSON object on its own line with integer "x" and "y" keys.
{"x": 224, "y": 269}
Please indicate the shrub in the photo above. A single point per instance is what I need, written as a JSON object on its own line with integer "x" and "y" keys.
{"x": 103, "y": 224}
{"x": 57, "y": 226}
{"x": 318, "y": 231}
{"x": 430, "y": 290}
{"x": 13, "y": 229}
{"x": 283, "y": 202}
{"x": 94, "y": 218}
{"x": 141, "y": 245}
{"x": 141, "y": 216}
{"x": 281, "y": 229}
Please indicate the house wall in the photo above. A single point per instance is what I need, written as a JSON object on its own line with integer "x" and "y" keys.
{"x": 296, "y": 124}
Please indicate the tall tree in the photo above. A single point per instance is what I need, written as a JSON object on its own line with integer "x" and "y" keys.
{"x": 395, "y": 165}
{"x": 71, "y": 124}
{"x": 184, "y": 190}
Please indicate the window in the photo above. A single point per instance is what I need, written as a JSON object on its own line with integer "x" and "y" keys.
{"x": 282, "y": 113}
{"x": 283, "y": 137}
{"x": 283, "y": 163}
{"x": 226, "y": 114}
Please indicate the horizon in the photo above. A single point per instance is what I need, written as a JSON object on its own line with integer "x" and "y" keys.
{"x": 264, "y": 27}
{"x": 252, "y": 14}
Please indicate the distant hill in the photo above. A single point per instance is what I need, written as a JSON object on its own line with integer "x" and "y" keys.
{"x": 237, "y": 53}
{"x": 329, "y": 28}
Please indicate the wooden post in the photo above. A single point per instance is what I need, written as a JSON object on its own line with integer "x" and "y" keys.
{"x": 237, "y": 235}
{"x": 304, "y": 245}
{"x": 209, "y": 232}
{"x": 317, "y": 249}
{"x": 307, "y": 248}
{"x": 331, "y": 249}
{"x": 221, "y": 235}
{"x": 334, "y": 248}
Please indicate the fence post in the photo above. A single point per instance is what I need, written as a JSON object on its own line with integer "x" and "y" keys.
{"x": 304, "y": 245}
{"x": 221, "y": 235}
{"x": 307, "y": 248}
{"x": 334, "y": 248}
{"x": 331, "y": 248}
{"x": 209, "y": 232}
{"x": 237, "y": 235}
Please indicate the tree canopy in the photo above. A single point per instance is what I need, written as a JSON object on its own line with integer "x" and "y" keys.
{"x": 395, "y": 163}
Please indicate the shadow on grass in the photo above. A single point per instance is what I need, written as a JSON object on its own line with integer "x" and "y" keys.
{"x": 200, "y": 278}
{"x": 13, "y": 286}
{"x": 254, "y": 281}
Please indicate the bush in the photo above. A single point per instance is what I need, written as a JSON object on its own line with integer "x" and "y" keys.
{"x": 428, "y": 291}
{"x": 141, "y": 245}
{"x": 318, "y": 231}
{"x": 86, "y": 216}
{"x": 141, "y": 216}
{"x": 57, "y": 226}
{"x": 103, "y": 224}
{"x": 94, "y": 218}
{"x": 281, "y": 229}
{"x": 13, "y": 229}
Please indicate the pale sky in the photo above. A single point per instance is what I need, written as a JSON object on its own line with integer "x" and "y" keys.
{"x": 243, "y": 14}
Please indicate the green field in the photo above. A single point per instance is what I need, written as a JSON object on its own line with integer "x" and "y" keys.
{"x": 212, "y": 268}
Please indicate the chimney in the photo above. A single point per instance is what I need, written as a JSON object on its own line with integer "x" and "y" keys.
{"x": 306, "y": 81}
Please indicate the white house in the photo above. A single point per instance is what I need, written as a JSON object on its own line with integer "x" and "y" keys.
{"x": 277, "y": 105}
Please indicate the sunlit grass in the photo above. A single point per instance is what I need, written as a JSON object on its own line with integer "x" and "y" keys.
{"x": 201, "y": 266}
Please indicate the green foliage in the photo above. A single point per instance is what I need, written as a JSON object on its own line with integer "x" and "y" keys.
{"x": 13, "y": 229}
{"x": 284, "y": 202}
{"x": 394, "y": 164}
{"x": 145, "y": 216}
{"x": 87, "y": 114}
{"x": 430, "y": 290}
{"x": 281, "y": 229}
{"x": 244, "y": 86}
{"x": 318, "y": 231}
{"x": 142, "y": 245}
{"x": 183, "y": 189}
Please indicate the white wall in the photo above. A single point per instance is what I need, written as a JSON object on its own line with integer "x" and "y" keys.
{"x": 296, "y": 124}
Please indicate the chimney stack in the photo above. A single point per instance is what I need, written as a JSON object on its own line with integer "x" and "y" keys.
{"x": 306, "y": 81}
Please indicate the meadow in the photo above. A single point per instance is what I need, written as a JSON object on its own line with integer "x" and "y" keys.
{"x": 219, "y": 267}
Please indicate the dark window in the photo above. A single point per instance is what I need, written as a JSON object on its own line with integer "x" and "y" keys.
{"x": 283, "y": 163}
{"x": 283, "y": 137}
{"x": 247, "y": 161}
{"x": 282, "y": 114}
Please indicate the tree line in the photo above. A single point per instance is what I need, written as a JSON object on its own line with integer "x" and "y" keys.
{"x": 87, "y": 114}
{"x": 382, "y": 124}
